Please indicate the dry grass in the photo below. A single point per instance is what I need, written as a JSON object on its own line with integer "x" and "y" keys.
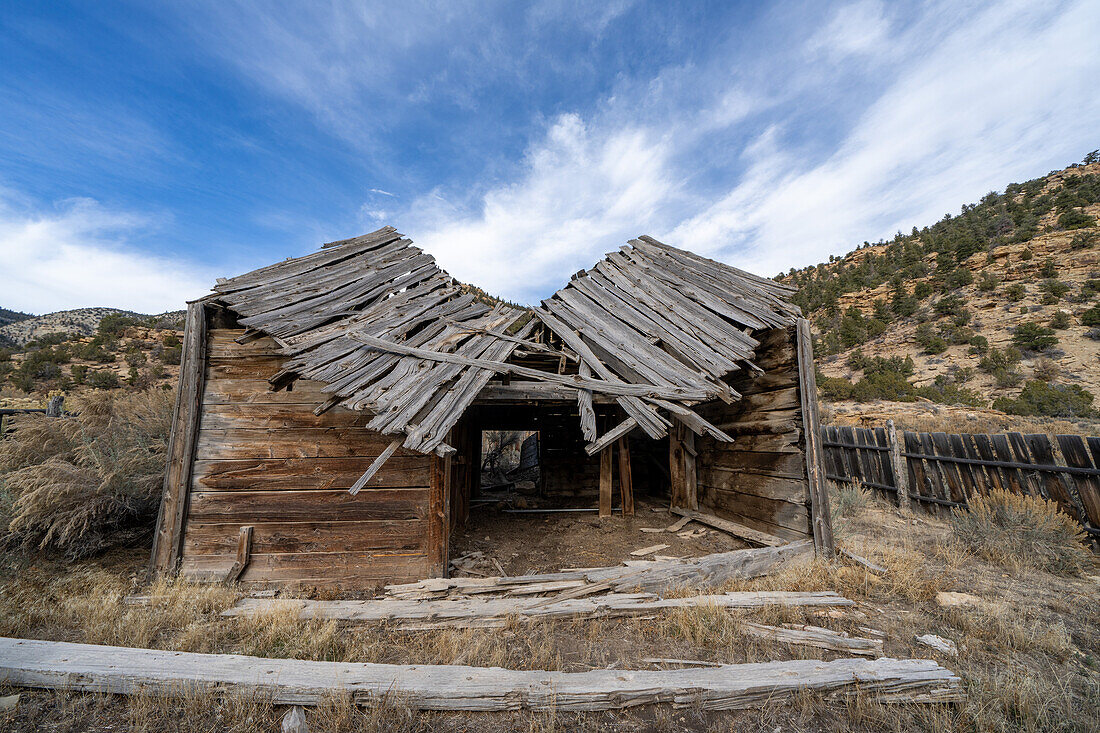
{"x": 1022, "y": 531}
{"x": 1027, "y": 652}
{"x": 82, "y": 484}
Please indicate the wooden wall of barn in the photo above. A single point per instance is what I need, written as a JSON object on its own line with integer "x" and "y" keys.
{"x": 760, "y": 479}
{"x": 263, "y": 459}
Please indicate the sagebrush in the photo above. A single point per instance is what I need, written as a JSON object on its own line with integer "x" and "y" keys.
{"x": 83, "y": 483}
{"x": 1022, "y": 531}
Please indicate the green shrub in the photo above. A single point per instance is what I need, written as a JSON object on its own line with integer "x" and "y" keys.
{"x": 1041, "y": 399}
{"x": 1060, "y": 321}
{"x": 1015, "y": 292}
{"x": 929, "y": 341}
{"x": 1091, "y": 317}
{"x": 949, "y": 305}
{"x": 1027, "y": 254}
{"x": 170, "y": 340}
{"x": 1076, "y": 219}
{"x": 85, "y": 483}
{"x": 922, "y": 290}
{"x": 1021, "y": 531}
{"x": 1057, "y": 288}
{"x": 1030, "y": 336}
{"x": 105, "y": 379}
{"x": 1049, "y": 268}
{"x": 1083, "y": 240}
{"x": 115, "y": 323}
{"x": 78, "y": 373}
{"x": 979, "y": 345}
{"x": 988, "y": 282}
{"x": 172, "y": 355}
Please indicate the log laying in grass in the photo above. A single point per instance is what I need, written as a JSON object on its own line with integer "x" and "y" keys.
{"x": 120, "y": 670}
{"x": 495, "y": 612}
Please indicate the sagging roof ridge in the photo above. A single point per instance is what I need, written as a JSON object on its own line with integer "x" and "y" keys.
{"x": 386, "y": 330}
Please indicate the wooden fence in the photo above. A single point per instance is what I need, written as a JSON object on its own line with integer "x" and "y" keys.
{"x": 942, "y": 470}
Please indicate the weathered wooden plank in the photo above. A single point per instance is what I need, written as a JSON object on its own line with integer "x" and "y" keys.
{"x": 1088, "y": 487}
{"x": 181, "y": 443}
{"x": 270, "y": 474}
{"x": 302, "y": 391}
{"x": 605, "y": 482}
{"x": 795, "y": 517}
{"x": 252, "y": 507}
{"x": 626, "y": 480}
{"x": 243, "y": 443}
{"x": 203, "y": 538}
{"x": 790, "y": 489}
{"x": 231, "y": 416}
{"x": 818, "y": 495}
{"x": 737, "y": 530}
{"x": 119, "y": 670}
{"x": 339, "y": 569}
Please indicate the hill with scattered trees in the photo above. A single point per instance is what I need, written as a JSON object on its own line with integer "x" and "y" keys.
{"x": 995, "y": 307}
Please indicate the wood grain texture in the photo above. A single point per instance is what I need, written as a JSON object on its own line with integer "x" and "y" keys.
{"x": 119, "y": 670}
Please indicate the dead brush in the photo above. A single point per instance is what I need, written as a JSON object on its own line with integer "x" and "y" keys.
{"x": 81, "y": 484}
{"x": 1019, "y": 531}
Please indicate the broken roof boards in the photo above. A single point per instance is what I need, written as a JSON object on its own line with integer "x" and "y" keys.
{"x": 388, "y": 332}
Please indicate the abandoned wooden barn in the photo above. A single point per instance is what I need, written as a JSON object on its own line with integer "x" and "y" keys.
{"x": 331, "y": 407}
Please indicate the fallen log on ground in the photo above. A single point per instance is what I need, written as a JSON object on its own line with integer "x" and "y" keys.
{"x": 653, "y": 576}
{"x": 816, "y": 636}
{"x": 494, "y": 612}
{"x": 121, "y": 670}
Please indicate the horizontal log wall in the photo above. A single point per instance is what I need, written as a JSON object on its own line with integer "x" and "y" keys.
{"x": 759, "y": 480}
{"x": 263, "y": 459}
{"x": 944, "y": 470}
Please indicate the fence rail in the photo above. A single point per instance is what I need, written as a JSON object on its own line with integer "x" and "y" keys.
{"x": 944, "y": 470}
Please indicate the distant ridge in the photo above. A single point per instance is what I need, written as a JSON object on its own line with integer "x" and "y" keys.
{"x": 19, "y": 328}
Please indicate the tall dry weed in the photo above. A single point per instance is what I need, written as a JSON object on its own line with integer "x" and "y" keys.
{"x": 79, "y": 485}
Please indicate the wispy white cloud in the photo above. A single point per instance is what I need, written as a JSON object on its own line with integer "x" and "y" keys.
{"x": 855, "y": 29}
{"x": 580, "y": 189}
{"x": 79, "y": 254}
{"x": 1003, "y": 96}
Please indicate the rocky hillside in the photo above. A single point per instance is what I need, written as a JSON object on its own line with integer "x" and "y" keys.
{"x": 994, "y": 307}
{"x": 121, "y": 352}
{"x": 16, "y": 329}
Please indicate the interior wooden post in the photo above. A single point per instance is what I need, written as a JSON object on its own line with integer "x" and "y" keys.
{"x": 605, "y": 482}
{"x": 626, "y": 482}
{"x": 681, "y": 464}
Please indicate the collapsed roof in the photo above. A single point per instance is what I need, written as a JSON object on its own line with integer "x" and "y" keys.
{"x": 654, "y": 328}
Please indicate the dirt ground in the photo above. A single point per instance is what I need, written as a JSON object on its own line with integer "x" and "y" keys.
{"x": 536, "y": 543}
{"x": 1029, "y": 642}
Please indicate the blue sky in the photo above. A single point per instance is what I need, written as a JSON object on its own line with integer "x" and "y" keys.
{"x": 147, "y": 148}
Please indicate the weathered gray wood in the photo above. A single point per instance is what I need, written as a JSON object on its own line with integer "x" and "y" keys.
{"x": 815, "y": 636}
{"x": 811, "y": 429}
{"x": 375, "y": 466}
{"x": 181, "y": 443}
{"x": 737, "y": 530}
{"x": 244, "y": 554}
{"x": 120, "y": 670}
{"x": 901, "y": 471}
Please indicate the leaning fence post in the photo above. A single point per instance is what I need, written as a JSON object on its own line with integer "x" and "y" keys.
{"x": 901, "y": 471}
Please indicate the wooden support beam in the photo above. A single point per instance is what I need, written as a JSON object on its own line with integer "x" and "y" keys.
{"x": 126, "y": 671}
{"x": 626, "y": 483}
{"x": 181, "y": 442}
{"x": 900, "y": 469}
{"x": 244, "y": 554}
{"x": 611, "y": 436}
{"x": 605, "y": 482}
{"x": 681, "y": 460}
{"x": 815, "y": 453}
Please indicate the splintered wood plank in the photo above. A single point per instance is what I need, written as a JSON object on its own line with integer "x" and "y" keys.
{"x": 120, "y": 670}
{"x": 737, "y": 530}
{"x": 221, "y": 391}
{"x": 279, "y": 416}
